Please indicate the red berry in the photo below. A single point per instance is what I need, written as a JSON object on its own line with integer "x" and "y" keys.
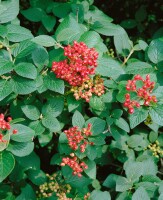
{"x": 15, "y": 131}
{"x": 131, "y": 110}
{"x": 9, "y": 119}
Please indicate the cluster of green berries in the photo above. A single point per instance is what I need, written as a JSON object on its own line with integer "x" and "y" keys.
{"x": 53, "y": 187}
{"x": 155, "y": 148}
{"x": 111, "y": 53}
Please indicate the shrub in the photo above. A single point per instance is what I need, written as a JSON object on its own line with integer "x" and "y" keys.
{"x": 80, "y": 118}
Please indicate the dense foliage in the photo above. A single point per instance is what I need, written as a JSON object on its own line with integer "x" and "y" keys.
{"x": 81, "y": 104}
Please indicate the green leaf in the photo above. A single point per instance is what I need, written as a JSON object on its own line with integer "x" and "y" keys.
{"x": 153, "y": 136}
{"x": 9, "y": 10}
{"x": 95, "y": 38}
{"x": 91, "y": 152}
{"x": 61, "y": 10}
{"x": 49, "y": 22}
{"x": 45, "y": 138}
{"x": 121, "y": 123}
{"x": 156, "y": 114}
{"x": 32, "y": 161}
{"x": 5, "y": 66}
{"x": 51, "y": 123}
{"x": 21, "y": 149}
{"x": 40, "y": 57}
{"x": 24, "y": 133}
{"x": 69, "y": 29}
{"x": 91, "y": 171}
{"x": 122, "y": 43}
{"x": 137, "y": 117}
{"x": 7, "y": 163}
{"x": 141, "y": 14}
{"x": 33, "y": 14}
{"x": 53, "y": 107}
{"x": 5, "y": 89}
{"x": 27, "y": 193}
{"x": 136, "y": 141}
{"x": 97, "y": 15}
{"x": 37, "y": 177}
{"x": 77, "y": 182}
{"x": 128, "y": 23}
{"x": 117, "y": 113}
{"x": 37, "y": 127}
{"x": 123, "y": 184}
{"x": 27, "y": 70}
{"x": 3, "y": 31}
{"x": 72, "y": 103}
{"x": 149, "y": 167}
{"x": 17, "y": 33}
{"x": 44, "y": 40}
{"x": 54, "y": 84}
{"x": 31, "y": 112}
{"x": 110, "y": 181}
{"x": 133, "y": 170}
{"x": 23, "y": 49}
{"x": 78, "y": 119}
{"x": 22, "y": 85}
{"x": 107, "y": 29}
{"x": 97, "y": 103}
{"x": 98, "y": 125}
{"x": 109, "y": 67}
{"x": 155, "y": 51}
{"x": 97, "y": 194}
{"x": 140, "y": 193}
{"x": 149, "y": 187}
{"x": 141, "y": 67}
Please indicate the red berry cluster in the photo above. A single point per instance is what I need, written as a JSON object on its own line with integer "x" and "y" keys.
{"x": 88, "y": 88}
{"x": 142, "y": 93}
{"x": 80, "y": 63}
{"x": 4, "y": 126}
{"x": 77, "y": 138}
{"x": 75, "y": 164}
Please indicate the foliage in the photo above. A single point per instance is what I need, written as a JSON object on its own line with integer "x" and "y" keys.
{"x": 97, "y": 136}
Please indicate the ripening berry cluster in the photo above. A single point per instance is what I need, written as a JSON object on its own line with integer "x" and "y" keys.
{"x": 81, "y": 62}
{"x": 4, "y": 126}
{"x": 88, "y": 88}
{"x": 155, "y": 148}
{"x": 143, "y": 93}
{"x": 53, "y": 186}
{"x": 78, "y": 138}
{"x": 74, "y": 163}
